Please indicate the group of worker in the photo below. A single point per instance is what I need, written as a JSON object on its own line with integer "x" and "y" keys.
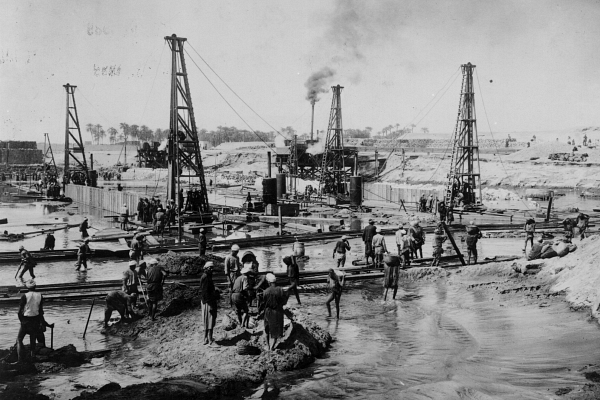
{"x": 246, "y": 286}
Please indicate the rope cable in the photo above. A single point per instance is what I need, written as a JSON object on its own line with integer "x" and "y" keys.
{"x": 233, "y": 91}
{"x": 230, "y": 106}
{"x": 494, "y": 140}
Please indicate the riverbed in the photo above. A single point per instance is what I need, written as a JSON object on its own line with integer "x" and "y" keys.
{"x": 436, "y": 339}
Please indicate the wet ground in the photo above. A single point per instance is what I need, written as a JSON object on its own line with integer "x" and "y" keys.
{"x": 435, "y": 338}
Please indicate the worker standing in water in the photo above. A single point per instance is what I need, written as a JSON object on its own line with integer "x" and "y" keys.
{"x": 335, "y": 284}
{"x": 82, "y": 254}
{"x": 379, "y": 247}
{"x": 367, "y": 237}
{"x": 27, "y": 263}
{"x": 83, "y": 228}
{"x": 473, "y": 235}
{"x": 339, "y": 251}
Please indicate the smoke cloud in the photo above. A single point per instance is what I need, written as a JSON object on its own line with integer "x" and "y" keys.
{"x": 317, "y": 83}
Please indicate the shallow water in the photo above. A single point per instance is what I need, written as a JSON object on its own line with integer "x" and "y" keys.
{"x": 437, "y": 340}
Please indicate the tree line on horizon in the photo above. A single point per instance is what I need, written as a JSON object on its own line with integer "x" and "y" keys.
{"x": 224, "y": 134}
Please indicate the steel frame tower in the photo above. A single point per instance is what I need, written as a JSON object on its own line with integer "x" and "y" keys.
{"x": 183, "y": 147}
{"x": 72, "y": 124}
{"x": 464, "y": 176}
{"x": 334, "y": 173}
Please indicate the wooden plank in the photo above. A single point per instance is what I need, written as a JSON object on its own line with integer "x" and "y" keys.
{"x": 449, "y": 234}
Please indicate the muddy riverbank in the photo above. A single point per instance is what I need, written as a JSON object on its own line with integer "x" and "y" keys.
{"x": 484, "y": 331}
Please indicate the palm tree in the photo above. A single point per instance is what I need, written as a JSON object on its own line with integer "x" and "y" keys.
{"x": 112, "y": 135}
{"x": 425, "y": 130}
{"x": 97, "y": 133}
{"x": 90, "y": 128}
{"x": 397, "y": 127}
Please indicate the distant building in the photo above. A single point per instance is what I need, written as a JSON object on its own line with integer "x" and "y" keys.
{"x": 14, "y": 152}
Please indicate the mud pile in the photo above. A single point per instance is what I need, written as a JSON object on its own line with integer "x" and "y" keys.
{"x": 238, "y": 362}
{"x": 47, "y": 360}
{"x": 186, "y": 263}
{"x": 577, "y": 274}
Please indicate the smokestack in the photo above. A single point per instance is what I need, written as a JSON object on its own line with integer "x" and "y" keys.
{"x": 312, "y": 120}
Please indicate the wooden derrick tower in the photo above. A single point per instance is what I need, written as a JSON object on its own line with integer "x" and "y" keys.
{"x": 50, "y": 169}
{"x": 184, "y": 159}
{"x": 334, "y": 171}
{"x": 79, "y": 174}
{"x": 464, "y": 180}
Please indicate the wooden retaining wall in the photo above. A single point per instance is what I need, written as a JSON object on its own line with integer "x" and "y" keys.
{"x": 394, "y": 193}
{"x": 109, "y": 200}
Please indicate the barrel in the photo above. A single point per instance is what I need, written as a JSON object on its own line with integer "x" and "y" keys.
{"x": 269, "y": 190}
{"x": 356, "y": 197}
{"x": 298, "y": 249}
{"x": 281, "y": 182}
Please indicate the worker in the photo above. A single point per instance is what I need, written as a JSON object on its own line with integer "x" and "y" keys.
{"x": 121, "y": 302}
{"x": 568, "y": 225}
{"x": 27, "y": 263}
{"x": 339, "y": 251}
{"x": 140, "y": 210}
{"x": 335, "y": 284}
{"x": 160, "y": 218}
{"x": 83, "y": 228}
{"x": 155, "y": 276}
{"x": 391, "y": 275}
{"x": 274, "y": 300}
{"x": 31, "y": 310}
{"x": 417, "y": 239}
{"x": 232, "y": 267}
{"x": 40, "y": 337}
{"x": 403, "y": 244}
{"x": 248, "y": 198}
{"x": 131, "y": 282}
{"x": 124, "y": 217}
{"x": 430, "y": 204}
{"x": 209, "y": 297}
{"x": 582, "y": 223}
{"x": 82, "y": 254}
{"x": 450, "y": 214}
{"x": 473, "y": 235}
{"x": 293, "y": 273}
{"x": 379, "y": 248}
{"x": 202, "y": 242}
{"x": 240, "y": 297}
{"x": 142, "y": 270}
{"x": 137, "y": 247}
{"x": 537, "y": 249}
{"x": 423, "y": 203}
{"x": 438, "y": 241}
{"x": 529, "y": 229}
{"x": 49, "y": 242}
{"x": 442, "y": 210}
{"x": 367, "y": 237}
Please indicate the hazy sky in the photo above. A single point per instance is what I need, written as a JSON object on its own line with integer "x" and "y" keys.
{"x": 537, "y": 62}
